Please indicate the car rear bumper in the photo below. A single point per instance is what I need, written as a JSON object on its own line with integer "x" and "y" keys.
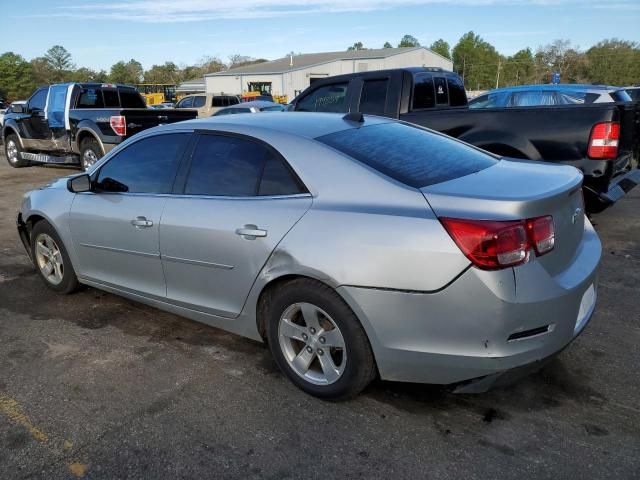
{"x": 482, "y": 326}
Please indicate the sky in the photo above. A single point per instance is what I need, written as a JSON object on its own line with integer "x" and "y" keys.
{"x": 100, "y": 33}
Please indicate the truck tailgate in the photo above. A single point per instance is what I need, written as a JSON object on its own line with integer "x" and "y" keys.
{"x": 139, "y": 119}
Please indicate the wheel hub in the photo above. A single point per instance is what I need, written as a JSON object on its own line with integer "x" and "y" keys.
{"x": 49, "y": 259}
{"x": 12, "y": 151}
{"x": 312, "y": 344}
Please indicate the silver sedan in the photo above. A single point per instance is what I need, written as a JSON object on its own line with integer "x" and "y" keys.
{"x": 354, "y": 246}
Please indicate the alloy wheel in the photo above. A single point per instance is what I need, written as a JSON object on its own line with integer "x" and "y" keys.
{"x": 49, "y": 259}
{"x": 312, "y": 344}
{"x": 12, "y": 151}
{"x": 89, "y": 157}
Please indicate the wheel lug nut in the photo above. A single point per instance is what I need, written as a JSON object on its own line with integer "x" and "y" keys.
{"x": 312, "y": 330}
{"x": 322, "y": 340}
{"x": 309, "y": 349}
{"x": 320, "y": 352}
{"x": 305, "y": 337}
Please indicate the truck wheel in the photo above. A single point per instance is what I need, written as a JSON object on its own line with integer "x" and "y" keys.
{"x": 90, "y": 153}
{"x": 12, "y": 150}
{"x": 317, "y": 341}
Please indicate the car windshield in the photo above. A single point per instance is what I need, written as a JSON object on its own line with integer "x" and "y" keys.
{"x": 411, "y": 155}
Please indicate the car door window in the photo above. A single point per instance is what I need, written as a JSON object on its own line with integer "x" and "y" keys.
{"x": 186, "y": 102}
{"x": 277, "y": 179}
{"x": 217, "y": 102}
{"x": 198, "y": 101}
{"x": 374, "y": 96}
{"x": 146, "y": 166}
{"x": 37, "y": 100}
{"x": 328, "y": 98}
{"x": 532, "y": 99}
{"x": 226, "y": 166}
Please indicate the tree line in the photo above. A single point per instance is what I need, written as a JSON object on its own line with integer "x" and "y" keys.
{"x": 19, "y": 77}
{"x": 611, "y": 62}
{"x": 482, "y": 67}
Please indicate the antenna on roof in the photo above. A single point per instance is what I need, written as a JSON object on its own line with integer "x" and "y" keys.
{"x": 354, "y": 117}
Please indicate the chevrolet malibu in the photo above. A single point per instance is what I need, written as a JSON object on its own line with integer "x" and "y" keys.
{"x": 355, "y": 246}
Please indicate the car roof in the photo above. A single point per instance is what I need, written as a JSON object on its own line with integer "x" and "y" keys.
{"x": 303, "y": 124}
{"x": 559, "y": 86}
{"x": 254, "y": 103}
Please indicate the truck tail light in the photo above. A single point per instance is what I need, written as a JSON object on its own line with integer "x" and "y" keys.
{"x": 119, "y": 125}
{"x": 603, "y": 142}
{"x": 492, "y": 245}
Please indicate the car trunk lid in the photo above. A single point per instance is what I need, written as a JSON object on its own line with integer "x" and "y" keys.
{"x": 519, "y": 190}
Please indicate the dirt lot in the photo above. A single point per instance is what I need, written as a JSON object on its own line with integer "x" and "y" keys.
{"x": 95, "y": 386}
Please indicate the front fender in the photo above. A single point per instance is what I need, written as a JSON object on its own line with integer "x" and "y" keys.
{"x": 11, "y": 126}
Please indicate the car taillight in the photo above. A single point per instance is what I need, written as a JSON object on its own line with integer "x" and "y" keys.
{"x": 492, "y": 245}
{"x": 541, "y": 234}
{"x": 119, "y": 125}
{"x": 603, "y": 142}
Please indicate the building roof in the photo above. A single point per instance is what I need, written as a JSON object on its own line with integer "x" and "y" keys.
{"x": 196, "y": 85}
{"x": 304, "y": 60}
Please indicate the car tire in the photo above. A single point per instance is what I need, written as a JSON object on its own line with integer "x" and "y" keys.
{"x": 90, "y": 153}
{"x": 338, "y": 368}
{"x": 51, "y": 259}
{"x": 12, "y": 151}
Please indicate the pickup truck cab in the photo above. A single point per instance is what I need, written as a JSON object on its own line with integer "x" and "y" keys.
{"x": 598, "y": 139}
{"x": 77, "y": 123}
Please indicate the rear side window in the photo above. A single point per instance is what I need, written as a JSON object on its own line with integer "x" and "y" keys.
{"x": 423, "y": 93}
{"x": 457, "y": 93}
{"x": 111, "y": 99}
{"x": 328, "y": 98}
{"x": 532, "y": 99}
{"x": 90, "y": 98}
{"x": 408, "y": 154}
{"x": 374, "y": 96}
{"x": 198, "y": 101}
{"x": 233, "y": 100}
{"x": 442, "y": 96}
{"x": 129, "y": 98}
{"x": 146, "y": 166}
{"x": 231, "y": 166}
{"x": 218, "y": 102}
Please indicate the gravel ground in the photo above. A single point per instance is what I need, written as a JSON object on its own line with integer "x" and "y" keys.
{"x": 95, "y": 386}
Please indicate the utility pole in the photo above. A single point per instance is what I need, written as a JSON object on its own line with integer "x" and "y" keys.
{"x": 498, "y": 75}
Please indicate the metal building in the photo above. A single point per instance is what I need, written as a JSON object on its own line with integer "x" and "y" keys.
{"x": 290, "y": 75}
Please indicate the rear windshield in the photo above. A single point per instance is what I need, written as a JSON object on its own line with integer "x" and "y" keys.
{"x": 413, "y": 156}
{"x": 130, "y": 98}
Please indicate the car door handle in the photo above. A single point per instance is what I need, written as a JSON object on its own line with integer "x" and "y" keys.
{"x": 141, "y": 222}
{"x": 251, "y": 232}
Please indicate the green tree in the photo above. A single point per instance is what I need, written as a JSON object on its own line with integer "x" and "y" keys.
{"x": 84, "y": 74}
{"x": 409, "y": 41}
{"x": 560, "y": 56}
{"x": 59, "y": 62}
{"x": 387, "y": 45}
{"x": 167, "y": 73}
{"x": 356, "y": 46}
{"x": 614, "y": 62}
{"x": 441, "y": 47}
{"x": 477, "y": 61}
{"x": 519, "y": 69}
{"x": 130, "y": 72}
{"x": 16, "y": 77}
{"x": 43, "y": 74}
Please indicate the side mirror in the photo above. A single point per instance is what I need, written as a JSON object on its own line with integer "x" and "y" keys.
{"x": 79, "y": 184}
{"x": 17, "y": 108}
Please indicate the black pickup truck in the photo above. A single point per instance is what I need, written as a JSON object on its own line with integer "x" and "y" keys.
{"x": 599, "y": 139}
{"x": 77, "y": 123}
